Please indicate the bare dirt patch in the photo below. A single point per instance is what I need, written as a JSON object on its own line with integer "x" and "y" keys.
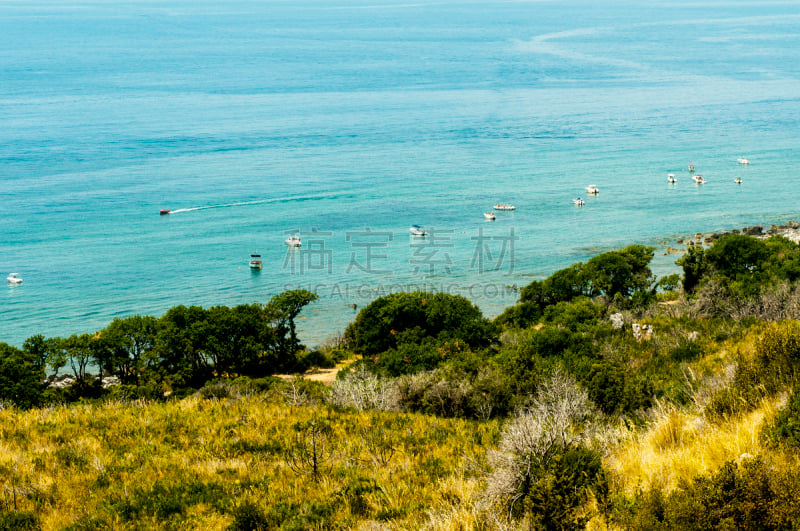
{"x": 326, "y": 376}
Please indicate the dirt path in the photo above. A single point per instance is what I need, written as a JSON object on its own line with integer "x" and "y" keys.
{"x": 326, "y": 376}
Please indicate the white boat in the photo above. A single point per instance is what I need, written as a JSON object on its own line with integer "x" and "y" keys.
{"x": 255, "y": 260}
{"x": 504, "y": 207}
{"x": 416, "y": 230}
{"x": 14, "y": 279}
{"x": 671, "y": 178}
{"x": 742, "y": 161}
{"x": 698, "y": 179}
{"x": 490, "y": 216}
{"x": 578, "y": 201}
{"x": 592, "y": 189}
{"x": 738, "y": 180}
{"x": 691, "y": 168}
{"x": 293, "y": 241}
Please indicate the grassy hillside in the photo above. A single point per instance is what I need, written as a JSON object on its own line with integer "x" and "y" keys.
{"x": 604, "y": 400}
{"x": 207, "y": 463}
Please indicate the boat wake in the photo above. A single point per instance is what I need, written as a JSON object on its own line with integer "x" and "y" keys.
{"x": 257, "y": 202}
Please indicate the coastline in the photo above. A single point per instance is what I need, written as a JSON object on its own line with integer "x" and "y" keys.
{"x": 789, "y": 230}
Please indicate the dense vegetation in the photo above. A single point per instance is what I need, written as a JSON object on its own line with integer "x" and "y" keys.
{"x": 153, "y": 357}
{"x": 606, "y": 398}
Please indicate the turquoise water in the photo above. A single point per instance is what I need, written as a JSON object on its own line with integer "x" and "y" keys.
{"x": 255, "y": 119}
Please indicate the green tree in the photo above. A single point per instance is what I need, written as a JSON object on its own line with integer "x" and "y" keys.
{"x": 21, "y": 377}
{"x": 694, "y": 266}
{"x": 288, "y": 306}
{"x": 79, "y": 354}
{"x": 736, "y": 254}
{"x": 180, "y": 343}
{"x": 394, "y": 319}
{"x": 623, "y": 272}
{"x": 130, "y": 342}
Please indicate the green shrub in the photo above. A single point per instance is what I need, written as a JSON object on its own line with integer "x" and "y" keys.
{"x": 248, "y": 516}
{"x": 748, "y": 388}
{"x": 778, "y": 352}
{"x": 357, "y": 495}
{"x": 392, "y": 320}
{"x": 19, "y": 521}
{"x": 164, "y": 500}
{"x": 218, "y": 390}
{"x": 574, "y": 315}
{"x": 785, "y": 428}
{"x": 556, "y": 499}
{"x": 687, "y": 351}
{"x": 317, "y": 358}
{"x": 751, "y": 495}
{"x": 409, "y": 358}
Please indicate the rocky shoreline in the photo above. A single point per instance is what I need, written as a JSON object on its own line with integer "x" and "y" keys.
{"x": 790, "y": 230}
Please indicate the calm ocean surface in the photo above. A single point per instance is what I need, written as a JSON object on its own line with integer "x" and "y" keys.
{"x": 348, "y": 122}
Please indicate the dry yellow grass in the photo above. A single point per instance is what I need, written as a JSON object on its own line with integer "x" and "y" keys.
{"x": 188, "y": 464}
{"x": 679, "y": 445}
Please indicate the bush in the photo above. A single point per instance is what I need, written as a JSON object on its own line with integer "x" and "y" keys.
{"x": 557, "y": 499}
{"x": 778, "y": 352}
{"x": 390, "y": 321}
{"x": 746, "y": 391}
{"x": 785, "y": 429}
{"x": 363, "y": 391}
{"x": 747, "y": 496}
{"x": 19, "y": 521}
{"x": 249, "y": 517}
{"x": 574, "y": 315}
{"x": 316, "y": 358}
{"x": 410, "y": 358}
{"x": 542, "y": 461}
{"x": 687, "y": 351}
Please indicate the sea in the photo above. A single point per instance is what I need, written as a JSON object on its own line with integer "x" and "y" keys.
{"x": 346, "y": 122}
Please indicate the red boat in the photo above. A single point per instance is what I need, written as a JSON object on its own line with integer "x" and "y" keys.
{"x": 164, "y": 212}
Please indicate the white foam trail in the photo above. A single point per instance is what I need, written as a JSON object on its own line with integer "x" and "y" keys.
{"x": 254, "y": 202}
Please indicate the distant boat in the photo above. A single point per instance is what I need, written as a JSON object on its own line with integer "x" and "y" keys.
{"x": 592, "y": 189}
{"x": 698, "y": 179}
{"x": 504, "y": 207}
{"x": 293, "y": 241}
{"x": 691, "y": 168}
{"x": 671, "y": 178}
{"x": 162, "y": 212}
{"x": 742, "y": 161}
{"x": 738, "y": 180}
{"x": 14, "y": 279}
{"x": 255, "y": 260}
{"x": 578, "y": 201}
{"x": 416, "y": 230}
{"x": 490, "y": 216}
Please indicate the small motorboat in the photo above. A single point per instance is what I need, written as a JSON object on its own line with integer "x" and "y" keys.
{"x": 691, "y": 168}
{"x": 592, "y": 189}
{"x": 578, "y": 201}
{"x": 293, "y": 241}
{"x": 738, "y": 180}
{"x": 416, "y": 230}
{"x": 14, "y": 279}
{"x": 742, "y": 161}
{"x": 671, "y": 178}
{"x": 504, "y": 207}
{"x": 698, "y": 179}
{"x": 255, "y": 260}
{"x": 163, "y": 211}
{"x": 490, "y": 216}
